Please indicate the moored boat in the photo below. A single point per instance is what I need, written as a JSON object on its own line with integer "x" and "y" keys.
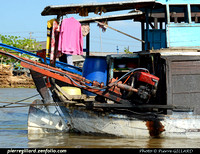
{"x": 152, "y": 93}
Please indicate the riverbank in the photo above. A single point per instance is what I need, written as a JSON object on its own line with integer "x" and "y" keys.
{"x": 9, "y": 80}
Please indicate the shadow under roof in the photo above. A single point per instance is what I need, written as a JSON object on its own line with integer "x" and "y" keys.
{"x": 92, "y": 7}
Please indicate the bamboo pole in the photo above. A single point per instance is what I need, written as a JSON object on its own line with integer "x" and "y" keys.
{"x": 120, "y": 31}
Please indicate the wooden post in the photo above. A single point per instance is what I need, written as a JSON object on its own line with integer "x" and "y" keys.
{"x": 168, "y": 13}
{"x": 147, "y": 30}
{"x": 155, "y": 23}
{"x": 88, "y": 44}
{"x": 142, "y": 29}
{"x": 189, "y": 13}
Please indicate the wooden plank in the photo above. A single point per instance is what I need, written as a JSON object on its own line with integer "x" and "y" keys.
{"x": 63, "y": 92}
{"x": 127, "y": 16}
{"x": 97, "y": 8}
{"x": 186, "y": 84}
{"x": 183, "y": 35}
{"x": 185, "y": 67}
{"x": 183, "y": 81}
{"x": 105, "y": 105}
{"x": 190, "y": 100}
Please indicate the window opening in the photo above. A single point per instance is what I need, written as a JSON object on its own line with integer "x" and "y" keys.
{"x": 178, "y": 14}
{"x": 195, "y": 13}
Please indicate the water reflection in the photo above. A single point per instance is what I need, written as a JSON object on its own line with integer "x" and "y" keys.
{"x": 88, "y": 141}
{"x": 14, "y": 134}
{"x": 82, "y": 141}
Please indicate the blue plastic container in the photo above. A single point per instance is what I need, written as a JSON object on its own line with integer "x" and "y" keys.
{"x": 95, "y": 69}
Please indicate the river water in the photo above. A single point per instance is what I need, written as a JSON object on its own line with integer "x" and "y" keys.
{"x": 14, "y": 134}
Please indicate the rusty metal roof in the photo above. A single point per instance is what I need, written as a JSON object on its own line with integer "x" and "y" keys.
{"x": 98, "y": 8}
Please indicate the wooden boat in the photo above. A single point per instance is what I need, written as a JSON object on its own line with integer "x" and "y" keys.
{"x": 87, "y": 115}
{"x": 157, "y": 90}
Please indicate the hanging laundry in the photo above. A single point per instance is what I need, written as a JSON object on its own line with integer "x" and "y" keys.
{"x": 85, "y": 29}
{"x": 70, "y": 37}
{"x": 49, "y": 30}
{"x": 103, "y": 25}
{"x": 54, "y": 41}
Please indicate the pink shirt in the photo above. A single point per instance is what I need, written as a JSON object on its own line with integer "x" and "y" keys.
{"x": 70, "y": 38}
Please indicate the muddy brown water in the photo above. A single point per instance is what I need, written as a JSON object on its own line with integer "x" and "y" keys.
{"x": 14, "y": 134}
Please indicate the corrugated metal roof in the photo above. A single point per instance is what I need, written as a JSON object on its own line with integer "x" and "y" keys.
{"x": 84, "y": 9}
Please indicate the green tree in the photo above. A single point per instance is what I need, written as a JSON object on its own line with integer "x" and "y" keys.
{"x": 18, "y": 42}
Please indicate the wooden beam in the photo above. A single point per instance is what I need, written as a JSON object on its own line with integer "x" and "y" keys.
{"x": 155, "y": 23}
{"x": 189, "y": 13}
{"x": 119, "y": 31}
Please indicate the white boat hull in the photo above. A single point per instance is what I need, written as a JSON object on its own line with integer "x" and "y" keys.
{"x": 179, "y": 125}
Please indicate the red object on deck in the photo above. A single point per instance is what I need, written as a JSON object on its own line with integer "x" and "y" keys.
{"x": 42, "y": 53}
{"x": 147, "y": 78}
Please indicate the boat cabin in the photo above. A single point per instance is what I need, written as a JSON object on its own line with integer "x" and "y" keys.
{"x": 173, "y": 24}
{"x": 164, "y": 23}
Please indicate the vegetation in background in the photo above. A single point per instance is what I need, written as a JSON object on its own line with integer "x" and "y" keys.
{"x": 126, "y": 50}
{"x": 18, "y": 42}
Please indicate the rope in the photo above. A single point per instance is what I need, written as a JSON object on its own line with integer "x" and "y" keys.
{"x": 18, "y": 102}
{"x": 28, "y": 105}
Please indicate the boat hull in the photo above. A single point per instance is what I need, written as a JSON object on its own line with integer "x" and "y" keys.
{"x": 176, "y": 125}
{"x": 45, "y": 119}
